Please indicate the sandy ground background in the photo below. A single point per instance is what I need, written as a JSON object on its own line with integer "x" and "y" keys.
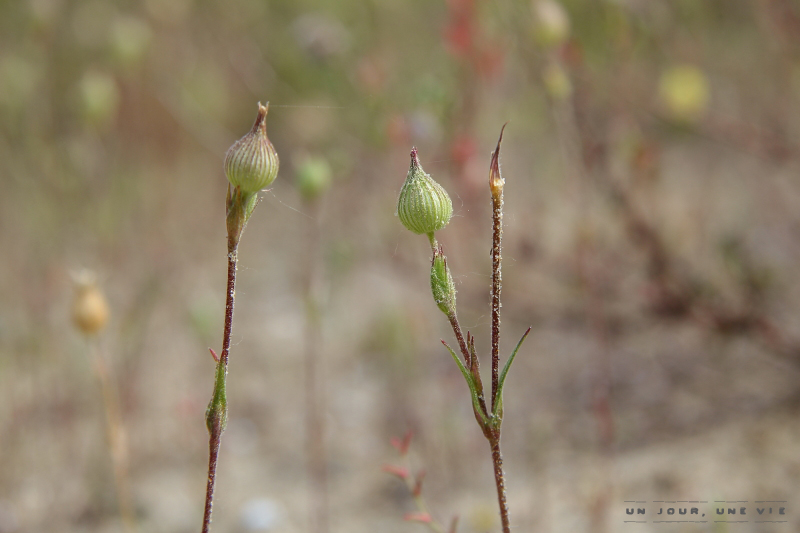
{"x": 652, "y": 241}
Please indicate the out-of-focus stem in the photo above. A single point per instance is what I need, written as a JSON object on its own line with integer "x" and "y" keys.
{"x": 215, "y": 430}
{"x": 314, "y": 418}
{"x": 422, "y": 507}
{"x": 414, "y": 486}
{"x": 117, "y": 440}
{"x": 572, "y": 141}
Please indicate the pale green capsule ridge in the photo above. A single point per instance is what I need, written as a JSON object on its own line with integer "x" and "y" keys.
{"x": 423, "y": 205}
{"x": 252, "y": 162}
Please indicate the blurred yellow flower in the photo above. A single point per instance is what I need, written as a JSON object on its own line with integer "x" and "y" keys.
{"x": 684, "y": 90}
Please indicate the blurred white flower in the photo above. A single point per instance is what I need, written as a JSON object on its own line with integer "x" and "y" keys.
{"x": 261, "y": 514}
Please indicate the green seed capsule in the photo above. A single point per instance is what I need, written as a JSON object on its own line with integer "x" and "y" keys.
{"x": 252, "y": 162}
{"x": 423, "y": 205}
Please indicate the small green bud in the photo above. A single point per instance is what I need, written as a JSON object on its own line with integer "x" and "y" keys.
{"x": 552, "y": 25}
{"x": 240, "y": 206}
{"x": 130, "y": 38}
{"x": 252, "y": 162}
{"x": 556, "y": 81}
{"x": 217, "y": 411}
{"x": 99, "y": 98}
{"x": 313, "y": 177}
{"x": 442, "y": 286}
{"x": 423, "y": 205}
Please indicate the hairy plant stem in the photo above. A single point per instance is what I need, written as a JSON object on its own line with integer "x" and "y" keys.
{"x": 496, "y": 183}
{"x": 499, "y": 479}
{"x": 213, "y": 453}
{"x": 489, "y": 420}
{"x": 215, "y": 430}
{"x": 460, "y": 338}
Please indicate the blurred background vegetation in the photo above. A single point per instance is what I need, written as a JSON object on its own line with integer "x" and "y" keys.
{"x": 652, "y": 240}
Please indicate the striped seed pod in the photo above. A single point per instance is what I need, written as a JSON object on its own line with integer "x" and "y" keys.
{"x": 252, "y": 162}
{"x": 423, "y": 205}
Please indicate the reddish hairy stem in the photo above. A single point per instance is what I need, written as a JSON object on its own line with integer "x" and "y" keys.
{"x": 497, "y": 232}
{"x": 496, "y": 183}
{"x": 460, "y": 337}
{"x": 499, "y": 479}
{"x": 216, "y": 429}
{"x": 213, "y": 453}
{"x": 233, "y": 245}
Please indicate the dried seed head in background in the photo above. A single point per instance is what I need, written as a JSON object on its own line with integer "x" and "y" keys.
{"x": 89, "y": 308}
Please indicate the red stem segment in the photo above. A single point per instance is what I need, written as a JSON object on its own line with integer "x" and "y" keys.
{"x": 496, "y": 183}
{"x": 499, "y": 479}
{"x": 460, "y": 338}
{"x": 213, "y": 453}
{"x": 229, "y": 300}
{"x": 217, "y": 429}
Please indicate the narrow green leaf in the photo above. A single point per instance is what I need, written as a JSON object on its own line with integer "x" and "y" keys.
{"x": 498, "y": 401}
{"x": 476, "y": 404}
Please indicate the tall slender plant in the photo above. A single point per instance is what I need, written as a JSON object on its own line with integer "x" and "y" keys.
{"x": 424, "y": 207}
{"x": 90, "y": 315}
{"x": 251, "y": 165}
{"x": 313, "y": 179}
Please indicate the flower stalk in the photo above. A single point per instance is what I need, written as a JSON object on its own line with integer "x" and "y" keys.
{"x": 424, "y": 207}
{"x": 90, "y": 315}
{"x": 313, "y": 178}
{"x": 250, "y": 165}
{"x": 496, "y": 183}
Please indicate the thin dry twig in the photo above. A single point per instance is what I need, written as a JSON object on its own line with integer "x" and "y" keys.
{"x": 117, "y": 440}
{"x": 414, "y": 485}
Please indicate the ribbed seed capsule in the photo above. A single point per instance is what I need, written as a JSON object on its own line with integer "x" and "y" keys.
{"x": 252, "y": 162}
{"x": 423, "y": 205}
